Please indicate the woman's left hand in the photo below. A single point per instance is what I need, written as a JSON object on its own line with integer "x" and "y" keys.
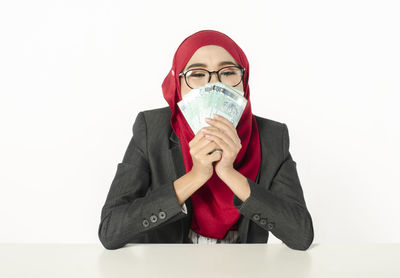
{"x": 222, "y": 132}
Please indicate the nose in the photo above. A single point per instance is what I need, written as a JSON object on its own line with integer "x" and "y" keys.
{"x": 214, "y": 77}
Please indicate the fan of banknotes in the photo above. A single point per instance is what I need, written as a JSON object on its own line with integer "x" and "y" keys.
{"x": 212, "y": 98}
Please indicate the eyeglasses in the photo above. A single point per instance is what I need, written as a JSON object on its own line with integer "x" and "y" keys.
{"x": 231, "y": 76}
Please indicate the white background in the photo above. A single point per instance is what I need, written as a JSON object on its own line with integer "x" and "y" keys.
{"x": 74, "y": 75}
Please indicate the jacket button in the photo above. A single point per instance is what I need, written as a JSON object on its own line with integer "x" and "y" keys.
{"x": 145, "y": 223}
{"x": 162, "y": 214}
{"x": 270, "y": 225}
{"x": 263, "y": 221}
{"x": 153, "y": 218}
{"x": 256, "y": 217}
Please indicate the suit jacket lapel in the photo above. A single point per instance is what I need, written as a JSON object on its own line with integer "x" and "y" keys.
{"x": 177, "y": 161}
{"x": 176, "y": 154}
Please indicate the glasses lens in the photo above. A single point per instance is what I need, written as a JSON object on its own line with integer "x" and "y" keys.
{"x": 197, "y": 78}
{"x": 231, "y": 75}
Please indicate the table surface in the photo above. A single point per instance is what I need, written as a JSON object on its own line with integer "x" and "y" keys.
{"x": 199, "y": 260}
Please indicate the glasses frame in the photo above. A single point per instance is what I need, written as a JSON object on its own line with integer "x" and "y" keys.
{"x": 183, "y": 73}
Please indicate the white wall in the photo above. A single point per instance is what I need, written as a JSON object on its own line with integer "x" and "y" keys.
{"x": 74, "y": 75}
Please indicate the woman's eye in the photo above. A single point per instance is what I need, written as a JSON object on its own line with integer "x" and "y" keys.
{"x": 227, "y": 73}
{"x": 198, "y": 75}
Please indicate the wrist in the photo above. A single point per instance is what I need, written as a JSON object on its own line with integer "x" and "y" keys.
{"x": 199, "y": 178}
{"x": 225, "y": 172}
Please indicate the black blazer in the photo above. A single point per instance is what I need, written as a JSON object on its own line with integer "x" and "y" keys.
{"x": 142, "y": 206}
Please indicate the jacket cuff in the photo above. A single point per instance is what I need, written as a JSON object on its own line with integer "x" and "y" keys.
{"x": 253, "y": 209}
{"x": 167, "y": 203}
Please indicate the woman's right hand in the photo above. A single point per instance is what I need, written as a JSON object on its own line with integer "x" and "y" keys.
{"x": 200, "y": 147}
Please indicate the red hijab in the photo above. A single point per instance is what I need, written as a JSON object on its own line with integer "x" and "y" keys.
{"x": 213, "y": 211}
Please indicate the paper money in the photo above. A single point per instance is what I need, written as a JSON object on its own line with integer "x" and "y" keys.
{"x": 212, "y": 98}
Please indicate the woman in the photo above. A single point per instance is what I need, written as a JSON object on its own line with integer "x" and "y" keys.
{"x": 170, "y": 189}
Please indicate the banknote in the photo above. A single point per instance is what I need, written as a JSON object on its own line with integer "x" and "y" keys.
{"x": 240, "y": 92}
{"x": 194, "y": 106}
{"x": 230, "y": 104}
{"x": 212, "y": 98}
{"x": 185, "y": 108}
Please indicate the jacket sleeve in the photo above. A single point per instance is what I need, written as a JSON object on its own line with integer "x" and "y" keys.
{"x": 280, "y": 207}
{"x": 133, "y": 205}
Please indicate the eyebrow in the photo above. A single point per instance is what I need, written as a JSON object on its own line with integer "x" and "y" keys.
{"x": 224, "y": 63}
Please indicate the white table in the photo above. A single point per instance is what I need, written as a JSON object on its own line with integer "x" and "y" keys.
{"x": 189, "y": 260}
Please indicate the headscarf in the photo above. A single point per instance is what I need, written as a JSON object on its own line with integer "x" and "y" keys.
{"x": 213, "y": 211}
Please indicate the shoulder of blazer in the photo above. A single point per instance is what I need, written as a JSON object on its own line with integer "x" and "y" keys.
{"x": 157, "y": 116}
{"x": 269, "y": 128}
{"x": 274, "y": 136}
{"x": 158, "y": 124}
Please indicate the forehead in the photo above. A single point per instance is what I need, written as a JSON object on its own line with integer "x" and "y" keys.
{"x": 211, "y": 54}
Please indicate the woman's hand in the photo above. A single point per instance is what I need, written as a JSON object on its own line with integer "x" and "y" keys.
{"x": 225, "y": 135}
{"x": 200, "y": 147}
